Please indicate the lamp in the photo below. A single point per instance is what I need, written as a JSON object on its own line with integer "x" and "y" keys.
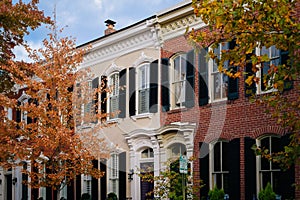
{"x": 130, "y": 174}
{"x": 14, "y": 180}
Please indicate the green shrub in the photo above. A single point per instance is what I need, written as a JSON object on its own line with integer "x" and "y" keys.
{"x": 216, "y": 194}
{"x": 85, "y": 196}
{"x": 267, "y": 193}
{"x": 112, "y": 196}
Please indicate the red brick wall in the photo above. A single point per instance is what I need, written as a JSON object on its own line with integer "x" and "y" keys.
{"x": 227, "y": 119}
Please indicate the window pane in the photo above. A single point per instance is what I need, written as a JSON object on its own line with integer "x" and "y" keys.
{"x": 275, "y": 147}
{"x": 226, "y": 182}
{"x": 177, "y": 69}
{"x": 217, "y": 82}
{"x": 274, "y": 52}
{"x": 264, "y": 51}
{"x": 217, "y": 157}
{"x": 144, "y": 101}
{"x": 265, "y": 163}
{"x": 225, "y": 156}
{"x": 266, "y": 177}
{"x": 183, "y": 68}
{"x": 224, "y": 85}
{"x": 276, "y": 182}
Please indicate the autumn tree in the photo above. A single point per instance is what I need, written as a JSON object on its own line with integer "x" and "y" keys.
{"x": 264, "y": 25}
{"x": 16, "y": 19}
{"x": 43, "y": 135}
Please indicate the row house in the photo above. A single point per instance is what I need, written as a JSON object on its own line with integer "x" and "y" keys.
{"x": 227, "y": 124}
{"x": 165, "y": 100}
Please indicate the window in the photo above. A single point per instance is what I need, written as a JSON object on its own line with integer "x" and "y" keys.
{"x": 179, "y": 78}
{"x": 274, "y": 55}
{"x": 219, "y": 165}
{"x": 176, "y": 150}
{"x": 269, "y": 171}
{"x": 114, "y": 173}
{"x": 147, "y": 153}
{"x": 143, "y": 88}
{"x": 265, "y": 84}
{"x": 219, "y": 80}
{"x": 113, "y": 101}
{"x": 87, "y": 103}
{"x": 87, "y": 181}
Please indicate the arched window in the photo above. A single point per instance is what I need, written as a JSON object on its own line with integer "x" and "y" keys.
{"x": 176, "y": 150}
{"x": 269, "y": 171}
{"x": 147, "y": 153}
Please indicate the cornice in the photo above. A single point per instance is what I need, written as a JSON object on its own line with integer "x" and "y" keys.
{"x": 179, "y": 26}
{"x": 139, "y": 37}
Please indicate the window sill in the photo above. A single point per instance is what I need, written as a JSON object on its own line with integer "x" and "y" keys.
{"x": 141, "y": 116}
{"x": 177, "y": 110}
{"x": 113, "y": 121}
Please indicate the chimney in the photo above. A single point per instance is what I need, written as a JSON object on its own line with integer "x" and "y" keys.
{"x": 110, "y": 27}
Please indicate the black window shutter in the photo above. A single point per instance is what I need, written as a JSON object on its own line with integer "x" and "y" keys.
{"x": 122, "y": 175}
{"x": 18, "y": 113}
{"x": 165, "y": 84}
{"x": 250, "y": 169}
{"x": 95, "y": 183}
{"x": 233, "y": 83}
{"x": 103, "y": 94}
{"x": 95, "y": 86}
{"x": 203, "y": 78}
{"x": 153, "y": 101}
{"x": 103, "y": 181}
{"x": 122, "y": 93}
{"x": 234, "y": 169}
{"x": 204, "y": 168}
{"x": 190, "y": 80}
{"x": 29, "y": 119}
{"x": 131, "y": 91}
{"x": 233, "y": 86}
{"x": 78, "y": 187}
{"x": 249, "y": 89}
{"x": 286, "y": 178}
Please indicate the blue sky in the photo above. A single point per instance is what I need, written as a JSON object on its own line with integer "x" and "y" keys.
{"x": 84, "y": 19}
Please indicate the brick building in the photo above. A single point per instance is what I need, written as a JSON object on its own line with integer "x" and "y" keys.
{"x": 174, "y": 102}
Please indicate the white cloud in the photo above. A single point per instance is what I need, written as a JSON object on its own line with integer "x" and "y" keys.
{"x": 85, "y": 18}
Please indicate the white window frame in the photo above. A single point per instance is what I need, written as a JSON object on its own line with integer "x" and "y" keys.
{"x": 24, "y": 112}
{"x": 178, "y": 80}
{"x": 259, "y": 178}
{"x": 212, "y": 173}
{"x": 114, "y": 173}
{"x": 113, "y": 95}
{"x": 214, "y": 73}
{"x": 143, "y": 85}
{"x": 87, "y": 104}
{"x": 273, "y": 60}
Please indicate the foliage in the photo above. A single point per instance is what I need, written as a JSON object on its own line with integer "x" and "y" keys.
{"x": 15, "y": 21}
{"x": 253, "y": 25}
{"x": 216, "y": 194}
{"x": 48, "y": 140}
{"x": 170, "y": 183}
{"x": 267, "y": 193}
{"x": 112, "y": 196}
{"x": 85, "y": 196}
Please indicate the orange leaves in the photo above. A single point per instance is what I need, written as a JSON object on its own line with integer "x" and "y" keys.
{"x": 46, "y": 123}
